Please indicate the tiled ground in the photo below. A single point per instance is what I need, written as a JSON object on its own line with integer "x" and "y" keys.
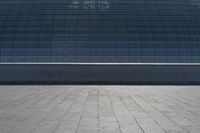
{"x": 99, "y": 109}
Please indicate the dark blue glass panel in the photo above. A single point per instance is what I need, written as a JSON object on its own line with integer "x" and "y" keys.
{"x": 132, "y": 31}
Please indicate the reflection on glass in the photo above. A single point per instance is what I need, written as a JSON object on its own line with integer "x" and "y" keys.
{"x": 133, "y": 31}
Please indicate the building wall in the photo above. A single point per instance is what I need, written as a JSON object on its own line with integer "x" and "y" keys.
{"x": 99, "y": 74}
{"x": 127, "y": 31}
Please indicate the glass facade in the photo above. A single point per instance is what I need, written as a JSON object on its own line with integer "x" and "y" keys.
{"x": 122, "y": 31}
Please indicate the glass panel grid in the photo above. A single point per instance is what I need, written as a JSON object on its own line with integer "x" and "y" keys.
{"x": 127, "y": 31}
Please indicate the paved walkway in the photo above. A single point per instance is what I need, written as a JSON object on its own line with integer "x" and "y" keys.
{"x": 99, "y": 109}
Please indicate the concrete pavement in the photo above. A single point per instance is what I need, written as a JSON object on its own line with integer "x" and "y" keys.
{"x": 99, "y": 109}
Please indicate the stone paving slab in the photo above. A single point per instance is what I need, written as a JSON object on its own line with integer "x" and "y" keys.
{"x": 99, "y": 109}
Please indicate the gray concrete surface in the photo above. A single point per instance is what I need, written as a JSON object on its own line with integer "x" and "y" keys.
{"x": 99, "y": 109}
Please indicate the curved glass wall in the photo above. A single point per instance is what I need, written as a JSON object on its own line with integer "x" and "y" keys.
{"x": 116, "y": 31}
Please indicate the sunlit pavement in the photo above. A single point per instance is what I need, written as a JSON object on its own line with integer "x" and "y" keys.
{"x": 99, "y": 109}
